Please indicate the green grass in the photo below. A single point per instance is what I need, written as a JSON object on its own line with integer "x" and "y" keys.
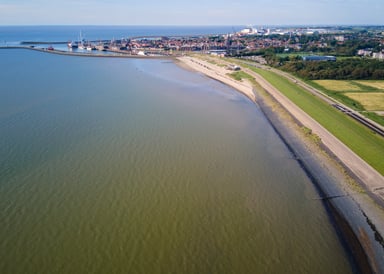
{"x": 374, "y": 117}
{"x": 240, "y": 75}
{"x": 365, "y": 87}
{"x": 361, "y": 140}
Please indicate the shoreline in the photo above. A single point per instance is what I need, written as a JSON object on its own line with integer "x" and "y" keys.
{"x": 356, "y": 217}
{"x": 219, "y": 74}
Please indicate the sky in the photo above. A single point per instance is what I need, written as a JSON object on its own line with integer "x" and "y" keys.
{"x": 193, "y": 12}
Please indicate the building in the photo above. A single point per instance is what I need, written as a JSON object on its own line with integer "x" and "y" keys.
{"x": 378, "y": 55}
{"x": 319, "y": 58}
{"x": 364, "y": 52}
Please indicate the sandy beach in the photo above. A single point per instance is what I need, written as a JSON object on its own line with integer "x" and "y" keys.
{"x": 220, "y": 74}
{"x": 334, "y": 168}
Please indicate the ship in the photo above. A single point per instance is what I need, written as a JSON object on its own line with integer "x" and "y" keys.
{"x": 90, "y": 47}
{"x": 73, "y": 45}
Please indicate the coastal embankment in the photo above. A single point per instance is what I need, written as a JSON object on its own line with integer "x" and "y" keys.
{"x": 358, "y": 218}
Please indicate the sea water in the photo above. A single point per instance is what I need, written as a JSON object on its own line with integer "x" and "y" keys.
{"x": 139, "y": 166}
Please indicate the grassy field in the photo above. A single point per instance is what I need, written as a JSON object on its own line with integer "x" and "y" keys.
{"x": 360, "y": 139}
{"x": 240, "y": 75}
{"x": 370, "y": 101}
{"x": 350, "y": 85}
{"x": 374, "y": 84}
{"x": 361, "y": 95}
{"x": 337, "y": 85}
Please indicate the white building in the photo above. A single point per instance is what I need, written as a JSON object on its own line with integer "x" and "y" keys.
{"x": 364, "y": 52}
{"x": 378, "y": 55}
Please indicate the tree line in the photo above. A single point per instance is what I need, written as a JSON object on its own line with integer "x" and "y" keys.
{"x": 353, "y": 68}
{"x": 346, "y": 69}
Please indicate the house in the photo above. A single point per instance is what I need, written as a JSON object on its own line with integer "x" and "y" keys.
{"x": 364, "y": 52}
{"x": 378, "y": 55}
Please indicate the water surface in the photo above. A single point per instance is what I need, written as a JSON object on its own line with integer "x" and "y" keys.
{"x": 138, "y": 166}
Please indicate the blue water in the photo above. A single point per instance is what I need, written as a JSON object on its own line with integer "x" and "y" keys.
{"x": 15, "y": 34}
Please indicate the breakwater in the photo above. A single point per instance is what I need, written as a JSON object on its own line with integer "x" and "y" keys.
{"x": 110, "y": 54}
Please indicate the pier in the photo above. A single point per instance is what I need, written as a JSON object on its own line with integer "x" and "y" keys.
{"x": 109, "y": 53}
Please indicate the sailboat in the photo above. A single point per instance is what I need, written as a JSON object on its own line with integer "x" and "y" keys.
{"x": 81, "y": 44}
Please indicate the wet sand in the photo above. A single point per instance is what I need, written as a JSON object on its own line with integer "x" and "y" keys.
{"x": 358, "y": 218}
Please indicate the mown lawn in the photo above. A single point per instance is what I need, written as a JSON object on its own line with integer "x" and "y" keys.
{"x": 240, "y": 75}
{"x": 360, "y": 139}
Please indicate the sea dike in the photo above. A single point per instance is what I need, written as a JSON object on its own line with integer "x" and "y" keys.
{"x": 357, "y": 230}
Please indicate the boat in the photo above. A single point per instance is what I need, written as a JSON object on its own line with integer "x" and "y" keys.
{"x": 81, "y": 46}
{"x": 90, "y": 47}
{"x": 72, "y": 45}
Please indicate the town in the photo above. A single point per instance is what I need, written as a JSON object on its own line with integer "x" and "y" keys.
{"x": 366, "y": 42}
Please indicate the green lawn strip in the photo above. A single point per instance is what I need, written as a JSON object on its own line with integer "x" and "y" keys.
{"x": 239, "y": 75}
{"x": 374, "y": 117}
{"x": 360, "y": 139}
